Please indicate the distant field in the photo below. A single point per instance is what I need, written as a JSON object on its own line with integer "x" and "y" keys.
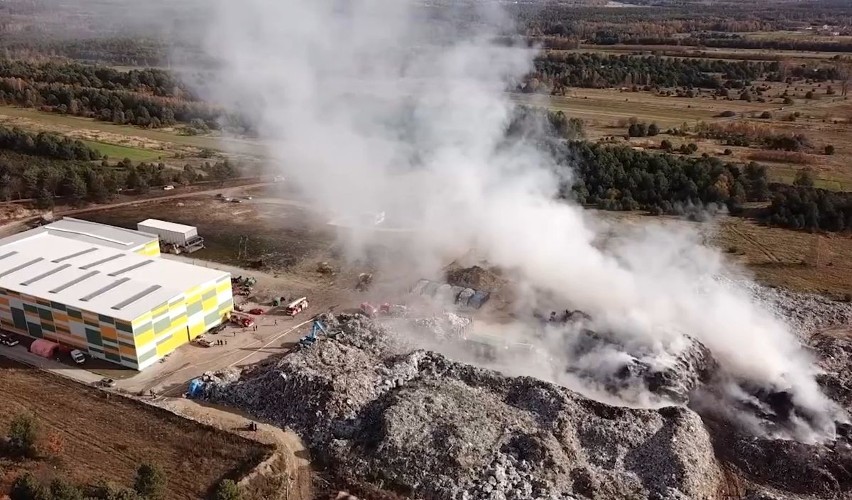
{"x": 116, "y": 152}
{"x": 709, "y": 52}
{"x": 75, "y": 123}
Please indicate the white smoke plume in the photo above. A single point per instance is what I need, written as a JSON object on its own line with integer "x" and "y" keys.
{"x": 374, "y": 105}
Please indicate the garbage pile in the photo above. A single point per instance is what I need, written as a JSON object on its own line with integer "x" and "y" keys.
{"x": 369, "y": 407}
{"x": 672, "y": 375}
{"x": 445, "y": 326}
{"x": 804, "y": 312}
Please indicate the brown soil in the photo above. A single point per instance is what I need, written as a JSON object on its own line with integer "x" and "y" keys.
{"x": 106, "y": 436}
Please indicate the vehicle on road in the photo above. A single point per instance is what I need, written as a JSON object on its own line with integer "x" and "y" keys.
{"x": 78, "y": 356}
{"x": 368, "y": 310}
{"x": 242, "y": 319}
{"x": 297, "y": 306}
{"x": 105, "y": 382}
{"x": 203, "y": 342}
{"x": 256, "y": 311}
{"x": 218, "y": 328}
{"x": 8, "y": 341}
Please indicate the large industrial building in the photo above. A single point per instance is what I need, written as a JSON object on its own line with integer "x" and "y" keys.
{"x": 106, "y": 291}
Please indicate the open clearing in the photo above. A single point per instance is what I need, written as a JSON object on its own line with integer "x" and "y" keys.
{"x": 87, "y": 128}
{"x": 106, "y": 437}
{"x": 796, "y": 260}
{"x": 116, "y": 152}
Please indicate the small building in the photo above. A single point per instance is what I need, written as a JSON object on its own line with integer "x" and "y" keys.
{"x": 103, "y": 290}
{"x": 174, "y": 238}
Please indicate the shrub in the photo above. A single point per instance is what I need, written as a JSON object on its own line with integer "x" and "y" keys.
{"x": 789, "y": 100}
{"x": 227, "y": 490}
{"x": 727, "y": 114}
{"x": 766, "y": 115}
{"x": 692, "y": 147}
{"x": 829, "y": 150}
{"x": 809, "y": 95}
{"x": 727, "y": 152}
{"x": 804, "y": 177}
{"x": 23, "y": 433}
{"x": 27, "y": 487}
{"x": 666, "y": 145}
{"x": 847, "y": 297}
{"x": 653, "y": 130}
{"x": 150, "y": 481}
{"x": 61, "y": 489}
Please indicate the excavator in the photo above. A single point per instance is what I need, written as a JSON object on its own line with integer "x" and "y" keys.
{"x": 316, "y": 328}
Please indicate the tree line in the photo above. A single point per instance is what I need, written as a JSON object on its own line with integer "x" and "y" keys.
{"x": 807, "y": 207}
{"x": 622, "y": 178}
{"x": 117, "y": 106}
{"x": 44, "y": 180}
{"x": 726, "y": 42}
{"x": 598, "y": 71}
{"x": 148, "y": 80}
{"x": 46, "y": 144}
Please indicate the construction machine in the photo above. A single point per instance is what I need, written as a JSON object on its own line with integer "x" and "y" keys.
{"x": 316, "y": 328}
{"x": 364, "y": 281}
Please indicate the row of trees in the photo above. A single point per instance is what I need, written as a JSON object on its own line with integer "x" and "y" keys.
{"x": 677, "y": 16}
{"x": 118, "y": 106}
{"x": 46, "y": 144}
{"x": 130, "y": 51}
{"x": 727, "y": 42}
{"x": 598, "y": 70}
{"x": 807, "y": 207}
{"x": 736, "y": 135}
{"x": 147, "y": 80}
{"x": 26, "y": 177}
{"x": 622, "y": 178}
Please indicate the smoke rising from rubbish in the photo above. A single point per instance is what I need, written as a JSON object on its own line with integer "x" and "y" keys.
{"x": 377, "y": 105}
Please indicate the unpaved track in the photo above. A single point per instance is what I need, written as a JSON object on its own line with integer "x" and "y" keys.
{"x": 753, "y": 241}
{"x": 294, "y": 452}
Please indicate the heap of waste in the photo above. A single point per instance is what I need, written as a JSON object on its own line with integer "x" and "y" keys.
{"x": 369, "y": 407}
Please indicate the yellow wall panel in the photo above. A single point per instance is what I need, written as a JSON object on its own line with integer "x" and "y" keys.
{"x": 144, "y": 339}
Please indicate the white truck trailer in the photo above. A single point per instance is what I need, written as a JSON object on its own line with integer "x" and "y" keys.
{"x": 174, "y": 238}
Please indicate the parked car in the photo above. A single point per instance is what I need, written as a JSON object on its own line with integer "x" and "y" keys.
{"x": 168, "y": 188}
{"x": 7, "y": 340}
{"x": 78, "y": 356}
{"x": 105, "y": 382}
{"x": 256, "y": 311}
{"x": 203, "y": 342}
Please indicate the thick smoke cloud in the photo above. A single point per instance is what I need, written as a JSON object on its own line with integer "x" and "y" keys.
{"x": 376, "y": 105}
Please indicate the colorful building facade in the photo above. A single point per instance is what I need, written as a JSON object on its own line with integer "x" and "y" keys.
{"x": 107, "y": 293}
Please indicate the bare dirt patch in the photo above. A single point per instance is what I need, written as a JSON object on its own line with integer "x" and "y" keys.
{"x": 106, "y": 437}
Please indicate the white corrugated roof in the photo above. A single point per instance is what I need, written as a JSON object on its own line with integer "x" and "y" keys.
{"x": 94, "y": 277}
{"x": 91, "y": 232}
{"x": 168, "y": 226}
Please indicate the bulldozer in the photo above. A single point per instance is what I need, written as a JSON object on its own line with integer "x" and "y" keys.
{"x": 364, "y": 282}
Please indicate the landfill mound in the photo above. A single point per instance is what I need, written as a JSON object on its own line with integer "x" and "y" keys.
{"x": 475, "y": 277}
{"x": 670, "y": 375}
{"x": 430, "y": 427}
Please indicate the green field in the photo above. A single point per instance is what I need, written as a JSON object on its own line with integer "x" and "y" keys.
{"x": 67, "y": 122}
{"x": 116, "y": 152}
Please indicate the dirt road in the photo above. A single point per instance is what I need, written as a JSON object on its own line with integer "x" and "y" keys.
{"x": 294, "y": 453}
